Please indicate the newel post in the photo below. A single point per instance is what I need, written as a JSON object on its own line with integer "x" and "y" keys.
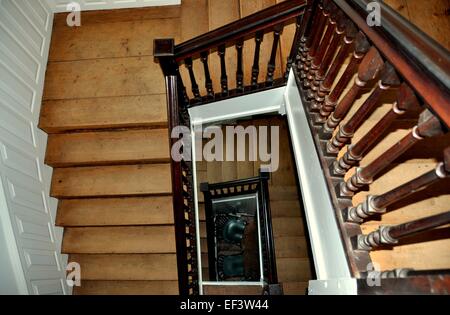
{"x": 164, "y": 52}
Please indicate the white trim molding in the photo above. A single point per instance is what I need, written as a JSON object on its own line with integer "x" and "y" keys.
{"x": 86, "y": 5}
{"x": 330, "y": 259}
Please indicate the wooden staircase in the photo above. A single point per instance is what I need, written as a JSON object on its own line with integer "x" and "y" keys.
{"x": 291, "y": 248}
{"x": 109, "y": 148}
{"x": 105, "y": 112}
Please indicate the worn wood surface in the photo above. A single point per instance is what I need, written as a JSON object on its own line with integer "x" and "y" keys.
{"x": 127, "y": 267}
{"x": 106, "y": 148}
{"x": 127, "y": 288}
{"x": 103, "y": 113}
{"x": 119, "y": 240}
{"x": 115, "y": 211}
{"x": 119, "y": 180}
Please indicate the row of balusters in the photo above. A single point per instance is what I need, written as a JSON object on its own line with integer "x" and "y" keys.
{"x": 321, "y": 55}
{"x": 190, "y": 229}
{"x": 240, "y": 88}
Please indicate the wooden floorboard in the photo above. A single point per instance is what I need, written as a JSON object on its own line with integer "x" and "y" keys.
{"x": 119, "y": 240}
{"x": 120, "y": 39}
{"x": 110, "y": 181}
{"x": 155, "y": 267}
{"x": 106, "y": 148}
{"x": 127, "y": 288}
{"x": 115, "y": 211}
{"x": 132, "y": 76}
{"x": 148, "y": 111}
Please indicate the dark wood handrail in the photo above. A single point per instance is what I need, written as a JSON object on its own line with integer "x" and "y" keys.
{"x": 251, "y": 24}
{"x": 423, "y": 63}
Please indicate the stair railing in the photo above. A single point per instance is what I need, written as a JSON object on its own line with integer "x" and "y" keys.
{"x": 396, "y": 56}
{"x": 171, "y": 57}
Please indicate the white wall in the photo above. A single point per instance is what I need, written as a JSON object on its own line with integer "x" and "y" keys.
{"x": 60, "y": 5}
{"x": 26, "y": 212}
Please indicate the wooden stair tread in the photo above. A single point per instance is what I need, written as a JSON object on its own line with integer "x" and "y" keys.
{"x": 107, "y": 77}
{"x": 283, "y": 193}
{"x": 115, "y": 211}
{"x": 295, "y": 288}
{"x": 116, "y": 39}
{"x": 103, "y": 113}
{"x": 288, "y": 227}
{"x": 103, "y": 181}
{"x": 232, "y": 290}
{"x": 293, "y": 269}
{"x": 285, "y": 208}
{"x": 122, "y": 15}
{"x": 101, "y": 148}
{"x": 127, "y": 267}
{"x": 118, "y": 240}
{"x": 291, "y": 247}
{"x": 127, "y": 288}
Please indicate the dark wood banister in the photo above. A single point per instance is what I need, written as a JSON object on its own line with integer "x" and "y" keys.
{"x": 249, "y": 25}
{"x": 423, "y": 63}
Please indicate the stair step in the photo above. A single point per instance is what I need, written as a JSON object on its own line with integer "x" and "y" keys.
{"x": 232, "y": 290}
{"x": 119, "y": 240}
{"x": 127, "y": 288}
{"x": 295, "y": 288}
{"x": 115, "y": 211}
{"x": 291, "y": 247}
{"x": 277, "y": 193}
{"x": 105, "y": 181}
{"x": 103, "y": 113}
{"x": 293, "y": 269}
{"x": 127, "y": 267}
{"x": 285, "y": 208}
{"x": 288, "y": 227}
{"x": 104, "y": 77}
{"x": 119, "y": 39}
{"x": 114, "y": 147}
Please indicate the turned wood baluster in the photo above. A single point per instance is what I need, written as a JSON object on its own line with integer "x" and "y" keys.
{"x": 255, "y": 68}
{"x": 295, "y": 44}
{"x": 390, "y": 235}
{"x": 406, "y": 102}
{"x": 239, "y": 71}
{"x": 194, "y": 85}
{"x": 314, "y": 40}
{"x": 375, "y": 205}
{"x": 308, "y": 39}
{"x": 273, "y": 55}
{"x": 327, "y": 73}
{"x": 368, "y": 70}
{"x": 223, "y": 70}
{"x": 322, "y": 40}
{"x": 208, "y": 81}
{"x": 307, "y": 25}
{"x": 183, "y": 88}
{"x": 427, "y": 127}
{"x": 346, "y": 132}
{"x": 335, "y": 24}
{"x": 362, "y": 46}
